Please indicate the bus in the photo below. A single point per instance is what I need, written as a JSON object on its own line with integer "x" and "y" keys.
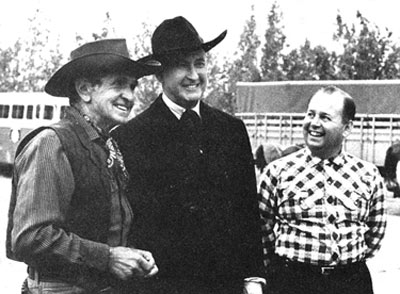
{"x": 274, "y": 111}
{"x": 22, "y": 112}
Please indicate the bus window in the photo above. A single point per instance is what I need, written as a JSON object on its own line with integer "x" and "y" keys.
{"x": 17, "y": 111}
{"x": 4, "y": 110}
{"x": 38, "y": 111}
{"x": 48, "y": 112}
{"x": 29, "y": 112}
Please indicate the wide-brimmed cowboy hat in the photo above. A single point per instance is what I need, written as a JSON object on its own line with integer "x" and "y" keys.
{"x": 177, "y": 36}
{"x": 96, "y": 59}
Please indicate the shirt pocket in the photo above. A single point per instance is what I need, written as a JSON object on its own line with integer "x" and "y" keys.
{"x": 301, "y": 204}
{"x": 355, "y": 204}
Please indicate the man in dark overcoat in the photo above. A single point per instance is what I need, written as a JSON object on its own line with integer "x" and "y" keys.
{"x": 193, "y": 187}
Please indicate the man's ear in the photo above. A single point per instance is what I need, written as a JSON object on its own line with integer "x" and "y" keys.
{"x": 84, "y": 89}
{"x": 348, "y": 128}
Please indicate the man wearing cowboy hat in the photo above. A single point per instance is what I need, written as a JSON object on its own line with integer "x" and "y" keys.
{"x": 193, "y": 187}
{"x": 69, "y": 216}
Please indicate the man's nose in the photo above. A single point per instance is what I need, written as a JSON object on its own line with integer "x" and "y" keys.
{"x": 192, "y": 73}
{"x": 128, "y": 93}
{"x": 315, "y": 121}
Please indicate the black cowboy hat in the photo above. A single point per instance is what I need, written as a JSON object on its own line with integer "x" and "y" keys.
{"x": 97, "y": 58}
{"x": 176, "y": 36}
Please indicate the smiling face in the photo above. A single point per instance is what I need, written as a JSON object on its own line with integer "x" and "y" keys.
{"x": 324, "y": 128}
{"x": 109, "y": 102}
{"x": 184, "y": 80}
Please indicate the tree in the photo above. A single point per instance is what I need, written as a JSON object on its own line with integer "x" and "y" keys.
{"x": 30, "y": 63}
{"x": 244, "y": 67}
{"x": 247, "y": 63}
{"x": 368, "y": 53}
{"x": 307, "y": 63}
{"x": 9, "y": 68}
{"x": 275, "y": 39}
{"x": 217, "y": 93}
{"x": 106, "y": 31}
{"x": 149, "y": 88}
{"x": 324, "y": 63}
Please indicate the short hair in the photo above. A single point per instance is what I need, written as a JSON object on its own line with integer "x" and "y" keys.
{"x": 93, "y": 80}
{"x": 349, "y": 107}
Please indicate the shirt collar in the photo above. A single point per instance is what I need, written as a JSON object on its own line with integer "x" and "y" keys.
{"x": 176, "y": 109}
{"x": 91, "y": 131}
{"x": 337, "y": 160}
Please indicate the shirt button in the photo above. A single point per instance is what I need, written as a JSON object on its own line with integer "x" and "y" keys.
{"x": 335, "y": 256}
{"x": 331, "y": 219}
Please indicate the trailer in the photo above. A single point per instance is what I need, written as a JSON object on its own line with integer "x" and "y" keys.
{"x": 274, "y": 112}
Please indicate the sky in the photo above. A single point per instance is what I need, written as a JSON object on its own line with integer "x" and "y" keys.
{"x": 302, "y": 19}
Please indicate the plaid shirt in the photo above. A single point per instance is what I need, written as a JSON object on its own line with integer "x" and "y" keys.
{"x": 322, "y": 212}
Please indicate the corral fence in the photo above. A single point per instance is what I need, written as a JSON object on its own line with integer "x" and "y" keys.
{"x": 371, "y": 136}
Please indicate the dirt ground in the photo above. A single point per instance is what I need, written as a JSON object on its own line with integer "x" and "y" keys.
{"x": 384, "y": 267}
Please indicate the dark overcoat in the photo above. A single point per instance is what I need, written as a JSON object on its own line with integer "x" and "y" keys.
{"x": 195, "y": 204}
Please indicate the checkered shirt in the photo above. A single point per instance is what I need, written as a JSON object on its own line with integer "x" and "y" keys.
{"x": 322, "y": 212}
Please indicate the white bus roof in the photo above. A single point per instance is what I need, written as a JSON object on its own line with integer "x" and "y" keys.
{"x": 26, "y": 97}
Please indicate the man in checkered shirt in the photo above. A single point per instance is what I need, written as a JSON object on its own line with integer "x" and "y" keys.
{"x": 323, "y": 210}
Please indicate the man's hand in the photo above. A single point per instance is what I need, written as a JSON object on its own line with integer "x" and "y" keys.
{"x": 128, "y": 262}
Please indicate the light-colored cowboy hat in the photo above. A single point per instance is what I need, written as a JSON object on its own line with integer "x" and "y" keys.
{"x": 97, "y": 58}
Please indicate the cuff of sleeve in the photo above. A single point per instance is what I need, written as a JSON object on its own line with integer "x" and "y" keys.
{"x": 256, "y": 280}
{"x": 96, "y": 255}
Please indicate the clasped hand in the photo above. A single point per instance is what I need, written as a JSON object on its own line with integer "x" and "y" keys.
{"x": 129, "y": 262}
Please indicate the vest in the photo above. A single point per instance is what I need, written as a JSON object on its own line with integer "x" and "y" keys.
{"x": 89, "y": 212}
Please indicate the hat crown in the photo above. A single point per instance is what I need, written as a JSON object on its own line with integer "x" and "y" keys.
{"x": 106, "y": 46}
{"x": 175, "y": 34}
{"x": 103, "y": 57}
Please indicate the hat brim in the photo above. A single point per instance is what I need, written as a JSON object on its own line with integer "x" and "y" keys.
{"x": 211, "y": 44}
{"x": 59, "y": 84}
{"x": 205, "y": 46}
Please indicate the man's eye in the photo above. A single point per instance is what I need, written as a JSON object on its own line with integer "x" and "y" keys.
{"x": 201, "y": 63}
{"x": 120, "y": 82}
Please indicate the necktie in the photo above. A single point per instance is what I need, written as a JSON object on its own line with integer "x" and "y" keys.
{"x": 190, "y": 122}
{"x": 190, "y": 119}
